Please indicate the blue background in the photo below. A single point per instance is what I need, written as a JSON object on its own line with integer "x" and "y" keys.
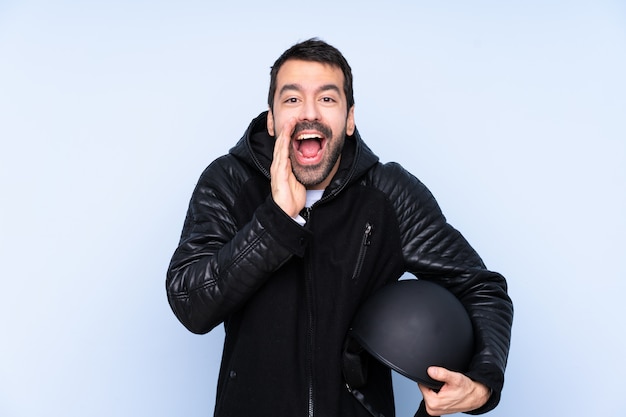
{"x": 513, "y": 113}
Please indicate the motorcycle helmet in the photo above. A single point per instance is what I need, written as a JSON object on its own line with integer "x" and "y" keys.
{"x": 410, "y": 325}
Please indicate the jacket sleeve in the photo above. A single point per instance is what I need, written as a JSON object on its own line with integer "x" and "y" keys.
{"x": 217, "y": 267}
{"x": 435, "y": 251}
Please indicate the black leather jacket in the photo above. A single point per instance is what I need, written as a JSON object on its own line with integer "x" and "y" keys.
{"x": 287, "y": 294}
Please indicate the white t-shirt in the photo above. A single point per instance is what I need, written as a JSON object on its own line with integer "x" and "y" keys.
{"x": 312, "y": 197}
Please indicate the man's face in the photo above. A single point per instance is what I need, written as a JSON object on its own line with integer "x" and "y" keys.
{"x": 312, "y": 92}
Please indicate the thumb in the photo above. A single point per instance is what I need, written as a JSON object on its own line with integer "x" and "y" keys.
{"x": 438, "y": 373}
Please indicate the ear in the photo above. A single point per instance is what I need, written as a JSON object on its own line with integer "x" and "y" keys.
{"x": 350, "y": 125}
{"x": 270, "y": 123}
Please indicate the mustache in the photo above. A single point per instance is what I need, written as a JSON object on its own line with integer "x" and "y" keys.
{"x": 322, "y": 128}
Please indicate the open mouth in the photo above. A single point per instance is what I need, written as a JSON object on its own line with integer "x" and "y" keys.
{"x": 309, "y": 145}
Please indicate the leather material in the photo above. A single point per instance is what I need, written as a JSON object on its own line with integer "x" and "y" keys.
{"x": 287, "y": 294}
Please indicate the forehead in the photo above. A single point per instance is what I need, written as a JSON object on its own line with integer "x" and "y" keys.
{"x": 308, "y": 74}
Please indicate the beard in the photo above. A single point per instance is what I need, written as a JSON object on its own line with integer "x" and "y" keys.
{"x": 310, "y": 175}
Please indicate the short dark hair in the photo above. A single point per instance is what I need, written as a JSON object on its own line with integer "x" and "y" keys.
{"x": 314, "y": 50}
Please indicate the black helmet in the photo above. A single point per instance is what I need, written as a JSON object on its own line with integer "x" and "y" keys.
{"x": 413, "y": 324}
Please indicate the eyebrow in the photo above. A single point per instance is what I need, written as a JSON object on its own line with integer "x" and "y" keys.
{"x": 298, "y": 87}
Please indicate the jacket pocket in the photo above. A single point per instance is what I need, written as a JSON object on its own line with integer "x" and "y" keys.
{"x": 366, "y": 241}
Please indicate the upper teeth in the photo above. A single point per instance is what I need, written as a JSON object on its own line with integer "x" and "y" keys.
{"x": 308, "y": 136}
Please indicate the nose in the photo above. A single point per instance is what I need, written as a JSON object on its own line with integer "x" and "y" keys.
{"x": 309, "y": 111}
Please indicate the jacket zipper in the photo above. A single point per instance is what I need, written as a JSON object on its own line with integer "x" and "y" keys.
{"x": 305, "y": 213}
{"x": 310, "y": 330}
{"x": 310, "y": 347}
{"x": 365, "y": 243}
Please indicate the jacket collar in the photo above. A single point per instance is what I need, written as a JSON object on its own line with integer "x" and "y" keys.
{"x": 256, "y": 149}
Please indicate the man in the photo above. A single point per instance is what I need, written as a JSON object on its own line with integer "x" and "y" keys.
{"x": 290, "y": 232}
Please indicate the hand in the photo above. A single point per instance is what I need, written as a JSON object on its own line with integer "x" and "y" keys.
{"x": 458, "y": 393}
{"x": 287, "y": 191}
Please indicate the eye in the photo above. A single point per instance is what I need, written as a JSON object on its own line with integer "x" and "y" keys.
{"x": 328, "y": 100}
{"x": 291, "y": 100}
